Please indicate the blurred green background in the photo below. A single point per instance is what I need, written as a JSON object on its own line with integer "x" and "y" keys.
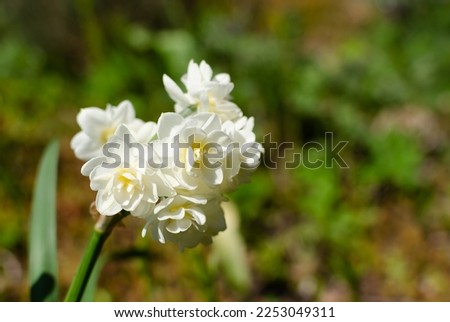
{"x": 375, "y": 73}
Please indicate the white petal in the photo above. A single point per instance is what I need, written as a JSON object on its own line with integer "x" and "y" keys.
{"x": 188, "y": 181}
{"x": 176, "y": 214}
{"x": 161, "y": 237}
{"x": 219, "y": 137}
{"x": 106, "y": 205}
{"x": 213, "y": 176}
{"x": 84, "y": 147}
{"x": 220, "y": 92}
{"x": 158, "y": 181}
{"x": 233, "y": 164}
{"x": 123, "y": 113}
{"x": 178, "y": 226}
{"x": 89, "y": 166}
{"x": 240, "y": 123}
{"x": 134, "y": 201}
{"x": 144, "y": 230}
{"x": 100, "y": 180}
{"x": 196, "y": 199}
{"x": 193, "y": 77}
{"x": 222, "y": 78}
{"x": 206, "y": 71}
{"x": 192, "y": 132}
{"x": 151, "y": 221}
{"x": 163, "y": 204}
{"x": 169, "y": 124}
{"x": 175, "y": 92}
{"x": 79, "y": 139}
{"x": 143, "y": 210}
{"x": 228, "y": 110}
{"x": 209, "y": 121}
{"x": 145, "y": 132}
{"x": 197, "y": 214}
{"x": 121, "y": 195}
{"x": 92, "y": 121}
{"x": 123, "y": 130}
{"x": 179, "y": 108}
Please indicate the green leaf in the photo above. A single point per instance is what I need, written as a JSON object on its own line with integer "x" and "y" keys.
{"x": 43, "y": 263}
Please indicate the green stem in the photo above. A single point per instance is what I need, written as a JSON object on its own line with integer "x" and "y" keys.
{"x": 102, "y": 230}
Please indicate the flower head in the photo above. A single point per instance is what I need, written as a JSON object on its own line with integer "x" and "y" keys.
{"x": 186, "y": 220}
{"x": 199, "y": 147}
{"x": 205, "y": 93}
{"x": 123, "y": 179}
{"x": 98, "y": 125}
{"x": 175, "y": 182}
{"x": 246, "y": 155}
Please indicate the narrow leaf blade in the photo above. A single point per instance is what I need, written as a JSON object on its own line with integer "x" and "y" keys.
{"x": 42, "y": 255}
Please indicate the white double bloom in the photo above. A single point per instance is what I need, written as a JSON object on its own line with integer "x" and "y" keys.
{"x": 177, "y": 181}
{"x": 204, "y": 93}
{"x": 247, "y": 156}
{"x": 98, "y": 125}
{"x": 125, "y": 181}
{"x": 197, "y": 149}
{"x": 186, "y": 220}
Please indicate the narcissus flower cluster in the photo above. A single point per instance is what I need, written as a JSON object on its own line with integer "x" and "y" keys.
{"x": 173, "y": 173}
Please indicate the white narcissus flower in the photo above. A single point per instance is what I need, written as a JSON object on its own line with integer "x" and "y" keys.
{"x": 205, "y": 93}
{"x": 123, "y": 178}
{"x": 246, "y": 153}
{"x": 186, "y": 220}
{"x": 177, "y": 182}
{"x": 98, "y": 125}
{"x": 197, "y": 149}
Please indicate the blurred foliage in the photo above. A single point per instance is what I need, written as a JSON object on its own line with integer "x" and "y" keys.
{"x": 375, "y": 73}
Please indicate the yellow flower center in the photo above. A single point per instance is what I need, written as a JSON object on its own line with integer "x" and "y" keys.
{"x": 194, "y": 155}
{"x": 212, "y": 104}
{"x": 127, "y": 178}
{"x": 107, "y": 133}
{"x": 197, "y": 153}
